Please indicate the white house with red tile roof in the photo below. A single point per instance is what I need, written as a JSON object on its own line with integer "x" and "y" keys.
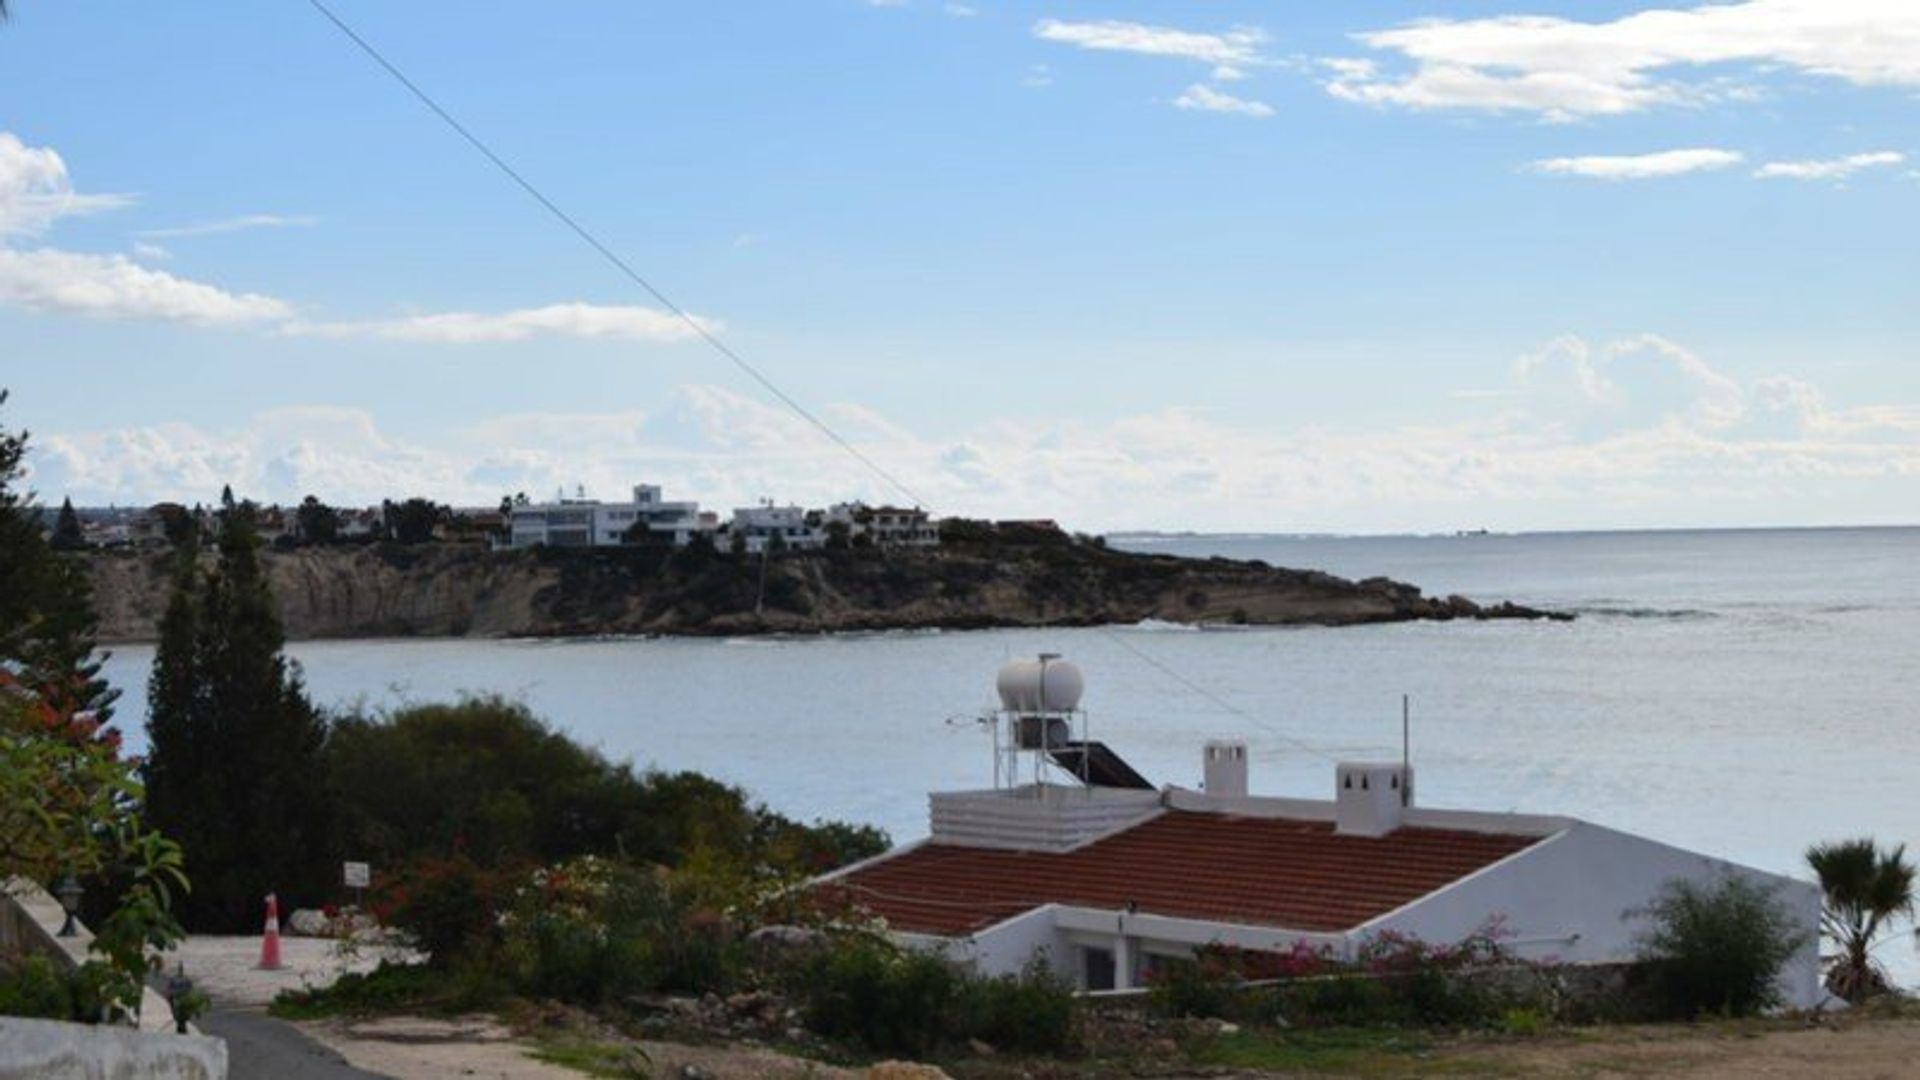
{"x": 1105, "y": 882}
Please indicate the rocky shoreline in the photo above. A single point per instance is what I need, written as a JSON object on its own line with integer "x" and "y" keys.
{"x": 466, "y": 590}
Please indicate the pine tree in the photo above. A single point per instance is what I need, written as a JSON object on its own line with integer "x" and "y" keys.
{"x": 47, "y": 623}
{"x": 67, "y": 534}
{"x": 234, "y": 769}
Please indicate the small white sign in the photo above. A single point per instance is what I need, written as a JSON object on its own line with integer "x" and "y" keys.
{"x": 358, "y": 875}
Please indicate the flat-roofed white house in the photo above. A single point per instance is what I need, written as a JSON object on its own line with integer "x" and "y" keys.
{"x": 886, "y": 526}
{"x": 1074, "y": 859}
{"x": 584, "y": 522}
{"x": 780, "y": 526}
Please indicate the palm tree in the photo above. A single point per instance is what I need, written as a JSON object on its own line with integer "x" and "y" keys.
{"x": 1866, "y": 889}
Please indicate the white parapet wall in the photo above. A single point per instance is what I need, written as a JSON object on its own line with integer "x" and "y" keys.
{"x": 49, "y": 1050}
{"x": 1036, "y": 817}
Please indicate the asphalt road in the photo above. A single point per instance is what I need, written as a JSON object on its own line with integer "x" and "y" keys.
{"x": 262, "y": 1048}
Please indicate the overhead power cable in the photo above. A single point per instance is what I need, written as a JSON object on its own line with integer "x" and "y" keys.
{"x": 714, "y": 341}
{"x": 613, "y": 258}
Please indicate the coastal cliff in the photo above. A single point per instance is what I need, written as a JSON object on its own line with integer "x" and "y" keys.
{"x": 457, "y": 590}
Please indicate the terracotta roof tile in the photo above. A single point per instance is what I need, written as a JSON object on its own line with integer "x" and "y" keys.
{"x": 1288, "y": 873}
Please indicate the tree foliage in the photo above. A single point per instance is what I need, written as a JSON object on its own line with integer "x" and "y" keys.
{"x": 413, "y": 521}
{"x": 1867, "y": 888}
{"x": 1719, "y": 947}
{"x": 317, "y": 522}
{"x": 487, "y": 779}
{"x": 235, "y": 765}
{"x": 47, "y": 624}
{"x": 69, "y": 804}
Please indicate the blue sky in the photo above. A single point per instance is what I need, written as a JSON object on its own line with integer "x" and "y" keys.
{"x": 1359, "y": 266}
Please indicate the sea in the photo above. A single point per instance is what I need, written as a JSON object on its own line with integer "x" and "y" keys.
{"x": 1743, "y": 693}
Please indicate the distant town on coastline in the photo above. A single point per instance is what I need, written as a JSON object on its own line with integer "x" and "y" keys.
{"x": 647, "y": 519}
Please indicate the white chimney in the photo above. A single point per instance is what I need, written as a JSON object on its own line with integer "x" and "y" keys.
{"x": 1225, "y": 772}
{"x": 1369, "y": 798}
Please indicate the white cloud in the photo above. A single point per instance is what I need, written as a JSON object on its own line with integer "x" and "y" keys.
{"x": 1588, "y": 433}
{"x": 1038, "y": 77}
{"x": 579, "y": 320}
{"x": 1830, "y": 168}
{"x": 35, "y": 190}
{"x": 1236, "y": 48}
{"x": 1639, "y": 166}
{"x": 960, "y": 11}
{"x": 1565, "y": 68}
{"x": 115, "y": 287}
{"x": 232, "y": 224}
{"x": 1204, "y": 98}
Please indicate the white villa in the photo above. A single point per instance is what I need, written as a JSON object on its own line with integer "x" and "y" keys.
{"x": 1074, "y": 859}
{"x": 583, "y": 522}
{"x": 886, "y": 526}
{"x": 761, "y": 525}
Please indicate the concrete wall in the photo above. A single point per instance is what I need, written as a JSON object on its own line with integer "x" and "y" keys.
{"x": 1571, "y": 898}
{"x": 46, "y": 1050}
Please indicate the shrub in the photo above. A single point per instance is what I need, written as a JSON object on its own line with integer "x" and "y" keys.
{"x": 1033, "y": 1011}
{"x": 592, "y": 931}
{"x": 1394, "y": 979}
{"x": 487, "y": 777}
{"x": 895, "y": 1001}
{"x": 1717, "y": 948}
{"x": 35, "y": 988}
{"x": 447, "y": 907}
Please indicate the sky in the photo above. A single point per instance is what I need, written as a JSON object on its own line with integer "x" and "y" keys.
{"x": 1232, "y": 266}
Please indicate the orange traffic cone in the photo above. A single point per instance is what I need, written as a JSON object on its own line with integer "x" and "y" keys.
{"x": 270, "y": 944}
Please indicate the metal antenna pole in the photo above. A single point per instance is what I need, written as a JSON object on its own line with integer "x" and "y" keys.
{"x": 1406, "y": 747}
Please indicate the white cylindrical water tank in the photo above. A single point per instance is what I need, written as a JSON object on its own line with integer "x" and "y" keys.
{"x": 1040, "y": 684}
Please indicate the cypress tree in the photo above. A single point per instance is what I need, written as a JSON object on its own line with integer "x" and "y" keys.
{"x": 67, "y": 534}
{"x": 235, "y": 769}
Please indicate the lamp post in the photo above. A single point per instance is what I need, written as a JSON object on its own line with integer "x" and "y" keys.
{"x": 179, "y": 988}
{"x": 69, "y": 891}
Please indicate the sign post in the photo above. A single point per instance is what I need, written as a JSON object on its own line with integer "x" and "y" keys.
{"x": 358, "y": 876}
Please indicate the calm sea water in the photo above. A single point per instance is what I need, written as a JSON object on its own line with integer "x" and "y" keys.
{"x": 1744, "y": 693}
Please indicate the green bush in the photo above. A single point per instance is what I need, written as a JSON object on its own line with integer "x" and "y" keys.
{"x": 896, "y": 1001}
{"x": 1717, "y": 949}
{"x": 487, "y": 778}
{"x": 36, "y": 988}
{"x": 1033, "y": 1011}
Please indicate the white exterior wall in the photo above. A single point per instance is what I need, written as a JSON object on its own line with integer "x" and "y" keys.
{"x": 603, "y": 524}
{"x": 1006, "y": 947}
{"x": 1568, "y": 898}
{"x": 48, "y": 1050}
{"x": 759, "y": 524}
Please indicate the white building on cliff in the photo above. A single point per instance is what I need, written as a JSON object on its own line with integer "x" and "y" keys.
{"x": 584, "y": 522}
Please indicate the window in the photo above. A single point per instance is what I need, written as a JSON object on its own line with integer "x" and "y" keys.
{"x": 1097, "y": 968}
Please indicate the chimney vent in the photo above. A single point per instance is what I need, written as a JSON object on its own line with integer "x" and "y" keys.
{"x": 1370, "y": 797}
{"x": 1225, "y": 773}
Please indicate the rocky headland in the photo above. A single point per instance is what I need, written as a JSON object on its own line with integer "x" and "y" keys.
{"x": 1034, "y": 579}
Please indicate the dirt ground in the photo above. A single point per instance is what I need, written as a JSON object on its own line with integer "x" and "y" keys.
{"x": 416, "y": 1048}
{"x": 1865, "y": 1049}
